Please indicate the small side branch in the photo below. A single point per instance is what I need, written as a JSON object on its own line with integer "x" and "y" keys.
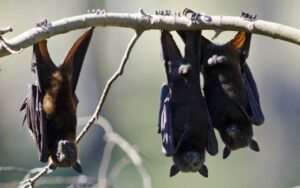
{"x": 144, "y": 21}
{"x": 108, "y": 85}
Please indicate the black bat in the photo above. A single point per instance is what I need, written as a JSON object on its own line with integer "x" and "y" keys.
{"x": 230, "y": 89}
{"x": 183, "y": 117}
{"x": 50, "y": 107}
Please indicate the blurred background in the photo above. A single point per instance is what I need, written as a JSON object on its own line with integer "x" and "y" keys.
{"x": 133, "y": 101}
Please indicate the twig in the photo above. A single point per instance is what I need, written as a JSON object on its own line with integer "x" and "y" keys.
{"x": 108, "y": 85}
{"x": 75, "y": 180}
{"x": 122, "y": 163}
{"x": 13, "y": 169}
{"x": 28, "y": 183}
{"x": 130, "y": 151}
{"x": 139, "y": 21}
{"x": 5, "y": 30}
{"x": 103, "y": 168}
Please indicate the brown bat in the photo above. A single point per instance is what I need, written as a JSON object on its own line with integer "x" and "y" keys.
{"x": 50, "y": 107}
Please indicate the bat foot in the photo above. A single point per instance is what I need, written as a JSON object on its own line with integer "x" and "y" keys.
{"x": 96, "y": 11}
{"x": 216, "y": 60}
{"x": 43, "y": 23}
{"x": 248, "y": 16}
{"x": 165, "y": 12}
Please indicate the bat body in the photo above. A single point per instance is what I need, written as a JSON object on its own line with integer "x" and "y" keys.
{"x": 183, "y": 118}
{"x": 231, "y": 91}
{"x": 50, "y": 107}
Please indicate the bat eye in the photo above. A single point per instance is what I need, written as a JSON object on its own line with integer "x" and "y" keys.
{"x": 197, "y": 164}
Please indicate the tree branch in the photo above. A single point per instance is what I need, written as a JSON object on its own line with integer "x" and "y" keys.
{"x": 143, "y": 21}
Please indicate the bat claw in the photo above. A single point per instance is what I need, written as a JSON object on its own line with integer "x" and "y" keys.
{"x": 248, "y": 16}
{"x": 43, "y": 23}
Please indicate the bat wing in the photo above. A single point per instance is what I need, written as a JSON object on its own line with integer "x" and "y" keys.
{"x": 165, "y": 122}
{"x": 42, "y": 66}
{"x": 212, "y": 143}
{"x": 75, "y": 56}
{"x": 242, "y": 41}
{"x": 256, "y": 116}
{"x": 36, "y": 120}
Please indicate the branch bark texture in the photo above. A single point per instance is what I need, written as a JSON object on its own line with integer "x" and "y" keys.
{"x": 142, "y": 21}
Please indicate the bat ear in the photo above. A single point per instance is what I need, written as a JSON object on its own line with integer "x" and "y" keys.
{"x": 241, "y": 42}
{"x": 169, "y": 48}
{"x": 77, "y": 167}
{"x": 203, "y": 171}
{"x": 75, "y": 57}
{"x": 174, "y": 170}
{"x": 51, "y": 167}
{"x": 254, "y": 145}
{"x": 41, "y": 55}
{"x": 226, "y": 152}
{"x": 238, "y": 41}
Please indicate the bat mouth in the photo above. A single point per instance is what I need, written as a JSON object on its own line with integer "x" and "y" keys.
{"x": 189, "y": 161}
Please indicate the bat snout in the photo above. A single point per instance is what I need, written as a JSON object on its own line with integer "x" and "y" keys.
{"x": 66, "y": 153}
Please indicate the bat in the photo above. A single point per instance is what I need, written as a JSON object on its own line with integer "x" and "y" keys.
{"x": 50, "y": 107}
{"x": 183, "y": 116}
{"x": 230, "y": 90}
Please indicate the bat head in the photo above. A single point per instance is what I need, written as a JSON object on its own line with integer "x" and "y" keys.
{"x": 66, "y": 153}
{"x": 237, "y": 136}
{"x": 189, "y": 157}
{"x": 189, "y": 161}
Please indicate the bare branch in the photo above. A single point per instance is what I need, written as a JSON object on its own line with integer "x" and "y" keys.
{"x": 143, "y": 21}
{"x": 114, "y": 138}
{"x": 13, "y": 169}
{"x": 122, "y": 163}
{"x": 108, "y": 85}
{"x": 5, "y": 30}
{"x": 28, "y": 183}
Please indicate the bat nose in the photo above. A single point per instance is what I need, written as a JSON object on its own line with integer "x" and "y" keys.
{"x": 231, "y": 131}
{"x": 190, "y": 156}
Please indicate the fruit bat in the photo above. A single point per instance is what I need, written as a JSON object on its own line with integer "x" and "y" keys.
{"x": 230, "y": 90}
{"x": 183, "y": 116}
{"x": 50, "y": 107}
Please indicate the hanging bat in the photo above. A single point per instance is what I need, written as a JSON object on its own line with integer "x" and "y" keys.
{"x": 50, "y": 107}
{"x": 183, "y": 117}
{"x": 230, "y": 90}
